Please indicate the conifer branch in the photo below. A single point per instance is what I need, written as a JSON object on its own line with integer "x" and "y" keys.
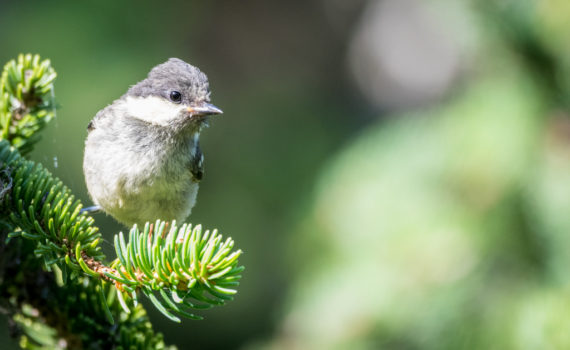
{"x": 26, "y": 100}
{"x": 185, "y": 267}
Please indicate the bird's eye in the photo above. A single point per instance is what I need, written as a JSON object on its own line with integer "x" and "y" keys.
{"x": 175, "y": 96}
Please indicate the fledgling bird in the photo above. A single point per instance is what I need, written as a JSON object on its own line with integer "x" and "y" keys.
{"x": 142, "y": 158}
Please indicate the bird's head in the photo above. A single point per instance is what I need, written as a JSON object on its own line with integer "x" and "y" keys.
{"x": 175, "y": 94}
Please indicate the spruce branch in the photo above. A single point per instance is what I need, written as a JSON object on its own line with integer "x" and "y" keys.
{"x": 177, "y": 268}
{"x": 26, "y": 100}
{"x": 48, "y": 314}
{"x": 42, "y": 209}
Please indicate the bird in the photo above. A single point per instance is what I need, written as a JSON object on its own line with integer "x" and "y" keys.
{"x": 142, "y": 159}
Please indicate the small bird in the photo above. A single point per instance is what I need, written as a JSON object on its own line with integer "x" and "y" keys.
{"x": 142, "y": 159}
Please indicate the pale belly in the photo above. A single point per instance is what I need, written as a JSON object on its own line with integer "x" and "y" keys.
{"x": 154, "y": 191}
{"x": 150, "y": 204}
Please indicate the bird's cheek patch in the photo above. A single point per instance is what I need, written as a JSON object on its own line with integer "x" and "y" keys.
{"x": 154, "y": 110}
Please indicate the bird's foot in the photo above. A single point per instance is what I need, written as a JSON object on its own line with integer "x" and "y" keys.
{"x": 91, "y": 210}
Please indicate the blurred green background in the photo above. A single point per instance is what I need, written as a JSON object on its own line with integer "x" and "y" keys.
{"x": 396, "y": 171}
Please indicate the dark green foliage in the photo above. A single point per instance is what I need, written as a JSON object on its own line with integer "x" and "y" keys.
{"x": 48, "y": 314}
{"x": 41, "y": 208}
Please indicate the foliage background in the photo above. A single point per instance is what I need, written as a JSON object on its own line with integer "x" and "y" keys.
{"x": 396, "y": 171}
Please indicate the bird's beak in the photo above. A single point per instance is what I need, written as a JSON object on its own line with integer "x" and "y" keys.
{"x": 204, "y": 109}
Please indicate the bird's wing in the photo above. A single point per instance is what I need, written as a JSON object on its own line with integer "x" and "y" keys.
{"x": 197, "y": 164}
{"x": 99, "y": 117}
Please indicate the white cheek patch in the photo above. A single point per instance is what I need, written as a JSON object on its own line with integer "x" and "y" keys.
{"x": 151, "y": 109}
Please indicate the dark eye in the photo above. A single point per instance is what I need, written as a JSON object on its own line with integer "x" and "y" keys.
{"x": 175, "y": 96}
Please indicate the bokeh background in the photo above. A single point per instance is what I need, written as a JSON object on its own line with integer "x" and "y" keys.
{"x": 396, "y": 171}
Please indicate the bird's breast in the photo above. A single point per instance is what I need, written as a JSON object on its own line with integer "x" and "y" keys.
{"x": 140, "y": 181}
